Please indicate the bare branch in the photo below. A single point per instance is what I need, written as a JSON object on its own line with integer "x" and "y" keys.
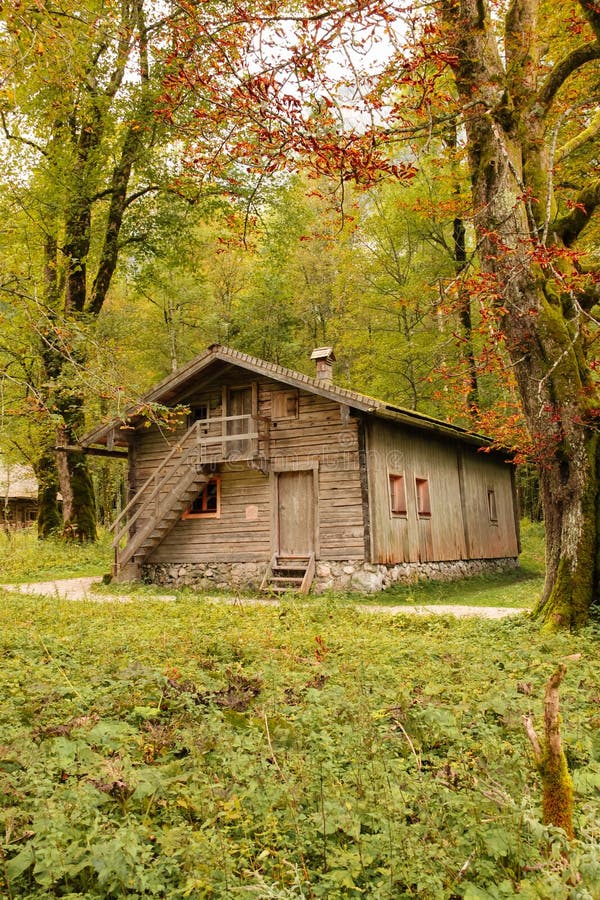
{"x": 533, "y": 739}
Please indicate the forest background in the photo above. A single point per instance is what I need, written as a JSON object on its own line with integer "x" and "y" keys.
{"x": 276, "y": 179}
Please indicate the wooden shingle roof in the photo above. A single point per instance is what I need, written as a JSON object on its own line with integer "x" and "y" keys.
{"x": 173, "y": 386}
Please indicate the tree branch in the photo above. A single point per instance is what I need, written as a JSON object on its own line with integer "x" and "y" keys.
{"x": 569, "y": 227}
{"x": 591, "y": 11}
{"x": 150, "y": 189}
{"x": 522, "y": 55}
{"x": 533, "y": 739}
{"x": 587, "y": 134}
{"x": 562, "y": 70}
{"x": 18, "y": 138}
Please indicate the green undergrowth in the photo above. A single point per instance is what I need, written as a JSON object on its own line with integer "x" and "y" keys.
{"x": 190, "y": 749}
{"x": 24, "y": 558}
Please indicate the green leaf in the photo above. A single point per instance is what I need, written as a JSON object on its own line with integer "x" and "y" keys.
{"x": 20, "y": 863}
{"x": 497, "y": 842}
{"x": 473, "y": 892}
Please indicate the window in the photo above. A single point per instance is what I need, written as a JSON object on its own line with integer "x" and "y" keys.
{"x": 397, "y": 495}
{"x": 284, "y": 405}
{"x": 423, "y": 501}
{"x": 199, "y": 412}
{"x": 492, "y": 508}
{"x": 207, "y": 504}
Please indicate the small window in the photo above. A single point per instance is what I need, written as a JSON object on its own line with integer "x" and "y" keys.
{"x": 492, "y": 508}
{"x": 397, "y": 495}
{"x": 423, "y": 500}
{"x": 207, "y": 503}
{"x": 285, "y": 405}
{"x": 199, "y": 413}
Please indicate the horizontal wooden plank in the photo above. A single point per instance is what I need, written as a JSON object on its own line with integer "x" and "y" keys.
{"x": 184, "y": 558}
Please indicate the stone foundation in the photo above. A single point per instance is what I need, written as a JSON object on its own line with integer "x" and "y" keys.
{"x": 350, "y": 575}
{"x": 206, "y": 576}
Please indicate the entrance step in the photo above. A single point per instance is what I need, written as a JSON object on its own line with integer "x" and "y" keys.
{"x": 289, "y": 573}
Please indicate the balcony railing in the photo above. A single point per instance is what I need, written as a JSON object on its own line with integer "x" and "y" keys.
{"x": 229, "y": 438}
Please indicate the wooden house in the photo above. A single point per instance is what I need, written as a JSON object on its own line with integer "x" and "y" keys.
{"x": 18, "y": 496}
{"x": 274, "y": 478}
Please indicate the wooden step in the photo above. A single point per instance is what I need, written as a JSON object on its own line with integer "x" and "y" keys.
{"x": 289, "y": 573}
{"x": 179, "y": 491}
{"x": 279, "y": 579}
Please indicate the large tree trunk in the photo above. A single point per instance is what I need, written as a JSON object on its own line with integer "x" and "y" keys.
{"x": 535, "y": 309}
{"x": 88, "y": 238}
{"x": 49, "y": 519}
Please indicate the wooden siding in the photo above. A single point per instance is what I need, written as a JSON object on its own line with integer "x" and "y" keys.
{"x": 459, "y": 526}
{"x": 17, "y": 512}
{"x": 230, "y": 538}
{"x": 487, "y": 539}
{"x": 323, "y": 438}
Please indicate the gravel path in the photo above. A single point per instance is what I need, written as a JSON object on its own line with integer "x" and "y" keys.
{"x": 75, "y": 589}
{"x": 83, "y": 589}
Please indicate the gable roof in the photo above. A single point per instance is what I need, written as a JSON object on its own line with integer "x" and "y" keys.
{"x": 17, "y": 483}
{"x": 174, "y": 385}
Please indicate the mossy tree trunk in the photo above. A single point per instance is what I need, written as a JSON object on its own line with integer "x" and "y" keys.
{"x": 542, "y": 296}
{"x": 49, "y": 519}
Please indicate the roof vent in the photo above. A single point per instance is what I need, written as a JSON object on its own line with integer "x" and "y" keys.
{"x": 324, "y": 358}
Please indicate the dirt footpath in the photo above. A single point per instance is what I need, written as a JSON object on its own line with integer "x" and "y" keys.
{"x": 83, "y": 589}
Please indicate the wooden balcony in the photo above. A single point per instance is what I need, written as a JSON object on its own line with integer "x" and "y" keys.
{"x": 229, "y": 439}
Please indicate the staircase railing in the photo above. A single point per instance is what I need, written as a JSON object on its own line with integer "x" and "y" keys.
{"x": 195, "y": 447}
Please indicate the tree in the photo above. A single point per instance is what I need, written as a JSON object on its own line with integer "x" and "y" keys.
{"x": 514, "y": 106}
{"x": 77, "y": 113}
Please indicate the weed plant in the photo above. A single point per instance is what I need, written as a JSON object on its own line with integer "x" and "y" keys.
{"x": 190, "y": 749}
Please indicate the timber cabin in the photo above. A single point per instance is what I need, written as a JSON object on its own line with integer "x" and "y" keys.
{"x": 275, "y": 479}
{"x": 18, "y": 496}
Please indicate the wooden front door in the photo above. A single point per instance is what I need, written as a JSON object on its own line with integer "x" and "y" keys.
{"x": 239, "y": 404}
{"x": 296, "y": 513}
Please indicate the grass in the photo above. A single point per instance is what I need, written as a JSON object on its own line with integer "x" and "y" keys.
{"x": 190, "y": 749}
{"x": 23, "y": 558}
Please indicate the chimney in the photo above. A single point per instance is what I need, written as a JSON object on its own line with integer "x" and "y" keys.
{"x": 324, "y": 358}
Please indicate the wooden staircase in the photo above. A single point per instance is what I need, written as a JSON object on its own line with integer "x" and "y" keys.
{"x": 158, "y": 506}
{"x": 289, "y": 573}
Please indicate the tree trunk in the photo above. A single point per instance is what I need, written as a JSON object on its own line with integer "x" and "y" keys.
{"x": 534, "y": 305}
{"x": 464, "y": 316}
{"x": 49, "y": 519}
